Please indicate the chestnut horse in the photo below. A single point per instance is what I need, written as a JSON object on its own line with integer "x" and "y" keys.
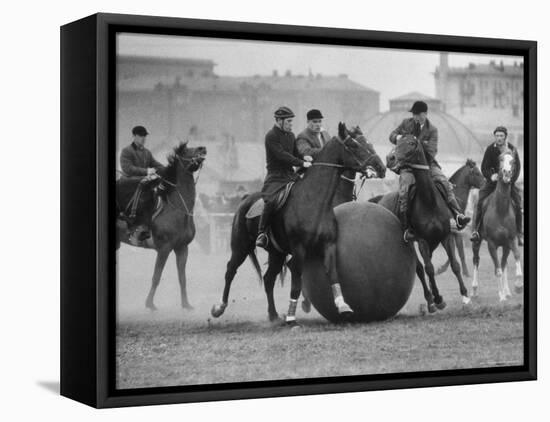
{"x": 430, "y": 218}
{"x": 498, "y": 228}
{"x": 173, "y": 227}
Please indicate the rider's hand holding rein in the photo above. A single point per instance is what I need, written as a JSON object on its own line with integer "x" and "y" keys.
{"x": 494, "y": 177}
{"x": 151, "y": 171}
{"x": 306, "y": 164}
{"x": 308, "y": 158}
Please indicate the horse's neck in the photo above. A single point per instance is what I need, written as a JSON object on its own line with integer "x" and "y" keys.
{"x": 185, "y": 186}
{"x": 502, "y": 197}
{"x": 344, "y": 190}
{"x": 321, "y": 182}
{"x": 425, "y": 186}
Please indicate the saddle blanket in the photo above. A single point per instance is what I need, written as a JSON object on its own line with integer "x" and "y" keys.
{"x": 257, "y": 207}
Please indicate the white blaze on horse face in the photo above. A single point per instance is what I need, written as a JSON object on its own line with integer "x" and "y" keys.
{"x": 506, "y": 166}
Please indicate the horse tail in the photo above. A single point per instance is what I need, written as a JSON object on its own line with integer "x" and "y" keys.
{"x": 256, "y": 264}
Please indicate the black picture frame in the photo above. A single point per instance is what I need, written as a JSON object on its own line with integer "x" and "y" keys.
{"x": 87, "y": 223}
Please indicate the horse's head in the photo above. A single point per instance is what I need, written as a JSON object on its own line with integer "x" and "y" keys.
{"x": 358, "y": 154}
{"x": 408, "y": 151}
{"x": 475, "y": 177}
{"x": 190, "y": 159}
{"x": 506, "y": 166}
{"x": 374, "y": 161}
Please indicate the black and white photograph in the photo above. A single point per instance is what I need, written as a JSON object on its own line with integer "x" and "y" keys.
{"x": 291, "y": 211}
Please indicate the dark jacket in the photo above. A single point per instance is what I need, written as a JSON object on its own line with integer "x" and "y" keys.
{"x": 428, "y": 137}
{"x": 135, "y": 160}
{"x": 307, "y": 142}
{"x": 490, "y": 163}
{"x": 281, "y": 156}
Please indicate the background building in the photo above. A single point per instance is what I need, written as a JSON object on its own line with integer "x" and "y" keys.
{"x": 483, "y": 96}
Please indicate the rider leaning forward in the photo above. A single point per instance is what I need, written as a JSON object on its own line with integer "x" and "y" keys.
{"x": 281, "y": 156}
{"x": 489, "y": 168}
{"x": 419, "y": 126}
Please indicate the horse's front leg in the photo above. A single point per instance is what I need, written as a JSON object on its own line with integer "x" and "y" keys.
{"x": 503, "y": 265}
{"x": 182, "y": 253}
{"x": 498, "y": 269}
{"x": 162, "y": 256}
{"x": 459, "y": 239}
{"x": 475, "y": 279}
{"x": 329, "y": 262}
{"x": 426, "y": 253}
{"x": 448, "y": 244}
{"x": 427, "y": 293}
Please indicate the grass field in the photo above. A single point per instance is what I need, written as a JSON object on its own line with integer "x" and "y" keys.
{"x": 176, "y": 347}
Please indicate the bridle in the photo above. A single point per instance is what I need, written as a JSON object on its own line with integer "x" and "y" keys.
{"x": 341, "y": 166}
{"x": 197, "y": 160}
{"x": 424, "y": 167}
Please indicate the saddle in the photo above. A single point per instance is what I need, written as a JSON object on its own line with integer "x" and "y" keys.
{"x": 281, "y": 197}
{"x": 136, "y": 199}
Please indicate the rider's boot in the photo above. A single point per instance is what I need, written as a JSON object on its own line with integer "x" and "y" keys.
{"x": 461, "y": 220}
{"x": 262, "y": 240}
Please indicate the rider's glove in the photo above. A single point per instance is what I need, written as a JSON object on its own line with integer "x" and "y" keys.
{"x": 494, "y": 177}
{"x": 306, "y": 164}
{"x": 308, "y": 158}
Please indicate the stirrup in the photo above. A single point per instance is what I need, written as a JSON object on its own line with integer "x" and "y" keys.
{"x": 262, "y": 240}
{"x": 465, "y": 220}
{"x": 408, "y": 236}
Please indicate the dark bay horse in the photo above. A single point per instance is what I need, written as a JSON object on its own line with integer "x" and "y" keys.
{"x": 464, "y": 179}
{"x": 498, "y": 228}
{"x": 173, "y": 228}
{"x": 429, "y": 217}
{"x": 307, "y": 221}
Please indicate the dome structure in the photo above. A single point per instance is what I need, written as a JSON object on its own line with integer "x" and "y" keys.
{"x": 456, "y": 141}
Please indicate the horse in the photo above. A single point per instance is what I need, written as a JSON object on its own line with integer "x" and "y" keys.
{"x": 464, "y": 179}
{"x": 173, "y": 227}
{"x": 498, "y": 228}
{"x": 430, "y": 218}
{"x": 329, "y": 182}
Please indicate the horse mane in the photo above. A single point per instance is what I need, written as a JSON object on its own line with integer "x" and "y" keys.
{"x": 170, "y": 171}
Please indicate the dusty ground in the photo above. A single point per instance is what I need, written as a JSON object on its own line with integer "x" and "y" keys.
{"x": 176, "y": 347}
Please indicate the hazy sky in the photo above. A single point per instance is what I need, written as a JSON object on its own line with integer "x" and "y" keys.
{"x": 392, "y": 72}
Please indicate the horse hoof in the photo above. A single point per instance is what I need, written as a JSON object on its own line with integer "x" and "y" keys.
{"x": 306, "y": 306}
{"x": 431, "y": 308}
{"x": 151, "y": 306}
{"x": 187, "y": 307}
{"x": 218, "y": 310}
{"x": 291, "y": 324}
{"x": 441, "y": 305}
{"x": 273, "y": 317}
{"x": 466, "y": 300}
{"x": 518, "y": 289}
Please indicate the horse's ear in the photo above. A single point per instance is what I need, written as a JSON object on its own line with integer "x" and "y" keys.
{"x": 342, "y": 130}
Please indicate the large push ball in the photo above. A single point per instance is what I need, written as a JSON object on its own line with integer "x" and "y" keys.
{"x": 376, "y": 268}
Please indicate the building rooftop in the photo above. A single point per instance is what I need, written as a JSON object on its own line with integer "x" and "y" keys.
{"x": 243, "y": 83}
{"x": 491, "y": 68}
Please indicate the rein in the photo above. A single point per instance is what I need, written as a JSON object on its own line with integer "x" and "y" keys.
{"x": 195, "y": 181}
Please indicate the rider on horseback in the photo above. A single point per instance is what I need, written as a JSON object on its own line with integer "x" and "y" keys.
{"x": 426, "y": 133}
{"x": 313, "y": 138}
{"x": 281, "y": 156}
{"x": 489, "y": 168}
{"x": 137, "y": 161}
